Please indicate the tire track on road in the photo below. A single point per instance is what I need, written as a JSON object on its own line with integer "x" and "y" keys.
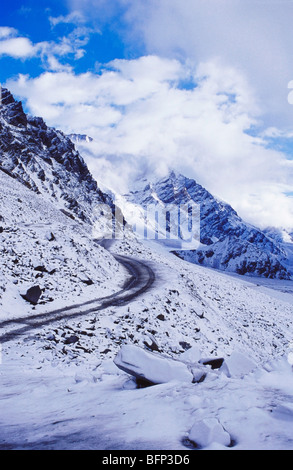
{"x": 141, "y": 279}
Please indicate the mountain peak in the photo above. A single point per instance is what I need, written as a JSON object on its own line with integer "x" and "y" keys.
{"x": 12, "y": 110}
{"x": 6, "y": 97}
{"x": 227, "y": 241}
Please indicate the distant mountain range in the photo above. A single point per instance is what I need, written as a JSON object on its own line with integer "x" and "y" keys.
{"x": 226, "y": 241}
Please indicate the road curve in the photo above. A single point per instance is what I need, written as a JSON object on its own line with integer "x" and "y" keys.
{"x": 141, "y": 279}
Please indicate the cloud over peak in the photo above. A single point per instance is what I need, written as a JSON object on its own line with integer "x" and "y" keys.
{"x": 142, "y": 119}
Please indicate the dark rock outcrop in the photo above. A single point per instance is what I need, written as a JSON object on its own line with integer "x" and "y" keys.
{"x": 33, "y": 295}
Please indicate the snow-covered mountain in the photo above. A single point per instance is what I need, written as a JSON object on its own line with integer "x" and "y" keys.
{"x": 48, "y": 204}
{"x": 46, "y": 161}
{"x": 278, "y": 234}
{"x": 226, "y": 241}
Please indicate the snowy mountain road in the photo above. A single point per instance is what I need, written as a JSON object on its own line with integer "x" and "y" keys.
{"x": 141, "y": 279}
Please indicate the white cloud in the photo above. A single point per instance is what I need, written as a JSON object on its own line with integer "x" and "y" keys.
{"x": 50, "y": 52}
{"x": 18, "y": 48}
{"x": 75, "y": 17}
{"x": 254, "y": 36}
{"x": 67, "y": 47}
{"x": 144, "y": 119}
{"x": 7, "y": 32}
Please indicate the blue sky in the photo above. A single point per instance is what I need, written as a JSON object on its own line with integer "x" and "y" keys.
{"x": 32, "y": 20}
{"x": 201, "y": 86}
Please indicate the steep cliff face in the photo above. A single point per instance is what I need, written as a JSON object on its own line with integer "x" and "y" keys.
{"x": 46, "y": 161}
{"x": 226, "y": 241}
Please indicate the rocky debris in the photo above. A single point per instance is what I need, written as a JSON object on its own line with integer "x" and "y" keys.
{"x": 41, "y": 269}
{"x": 161, "y": 317}
{"x": 87, "y": 282}
{"x": 50, "y": 237}
{"x": 71, "y": 339}
{"x": 150, "y": 367}
{"x": 185, "y": 345}
{"x": 235, "y": 365}
{"x": 151, "y": 343}
{"x": 208, "y": 431}
{"x": 33, "y": 295}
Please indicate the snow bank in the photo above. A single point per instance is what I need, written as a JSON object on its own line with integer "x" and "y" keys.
{"x": 151, "y": 367}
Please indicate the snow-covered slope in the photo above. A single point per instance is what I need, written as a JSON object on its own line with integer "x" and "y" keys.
{"x": 72, "y": 395}
{"x": 227, "y": 242}
{"x": 41, "y": 246}
{"x": 46, "y": 209}
{"x": 280, "y": 235}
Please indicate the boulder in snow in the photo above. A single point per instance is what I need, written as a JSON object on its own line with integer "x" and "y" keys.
{"x": 208, "y": 431}
{"x": 214, "y": 362}
{"x": 237, "y": 365}
{"x": 149, "y": 367}
{"x": 50, "y": 236}
{"x": 71, "y": 339}
{"x": 33, "y": 294}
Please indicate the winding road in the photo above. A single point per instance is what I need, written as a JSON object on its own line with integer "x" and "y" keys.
{"x": 141, "y": 279}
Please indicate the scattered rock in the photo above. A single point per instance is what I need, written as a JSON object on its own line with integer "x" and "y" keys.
{"x": 41, "y": 269}
{"x": 185, "y": 345}
{"x": 33, "y": 295}
{"x": 51, "y": 337}
{"x": 71, "y": 339}
{"x": 161, "y": 317}
{"x": 88, "y": 282}
{"x": 106, "y": 351}
{"x": 214, "y": 362}
{"x": 68, "y": 214}
{"x": 151, "y": 346}
{"x": 50, "y": 237}
{"x": 150, "y": 343}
